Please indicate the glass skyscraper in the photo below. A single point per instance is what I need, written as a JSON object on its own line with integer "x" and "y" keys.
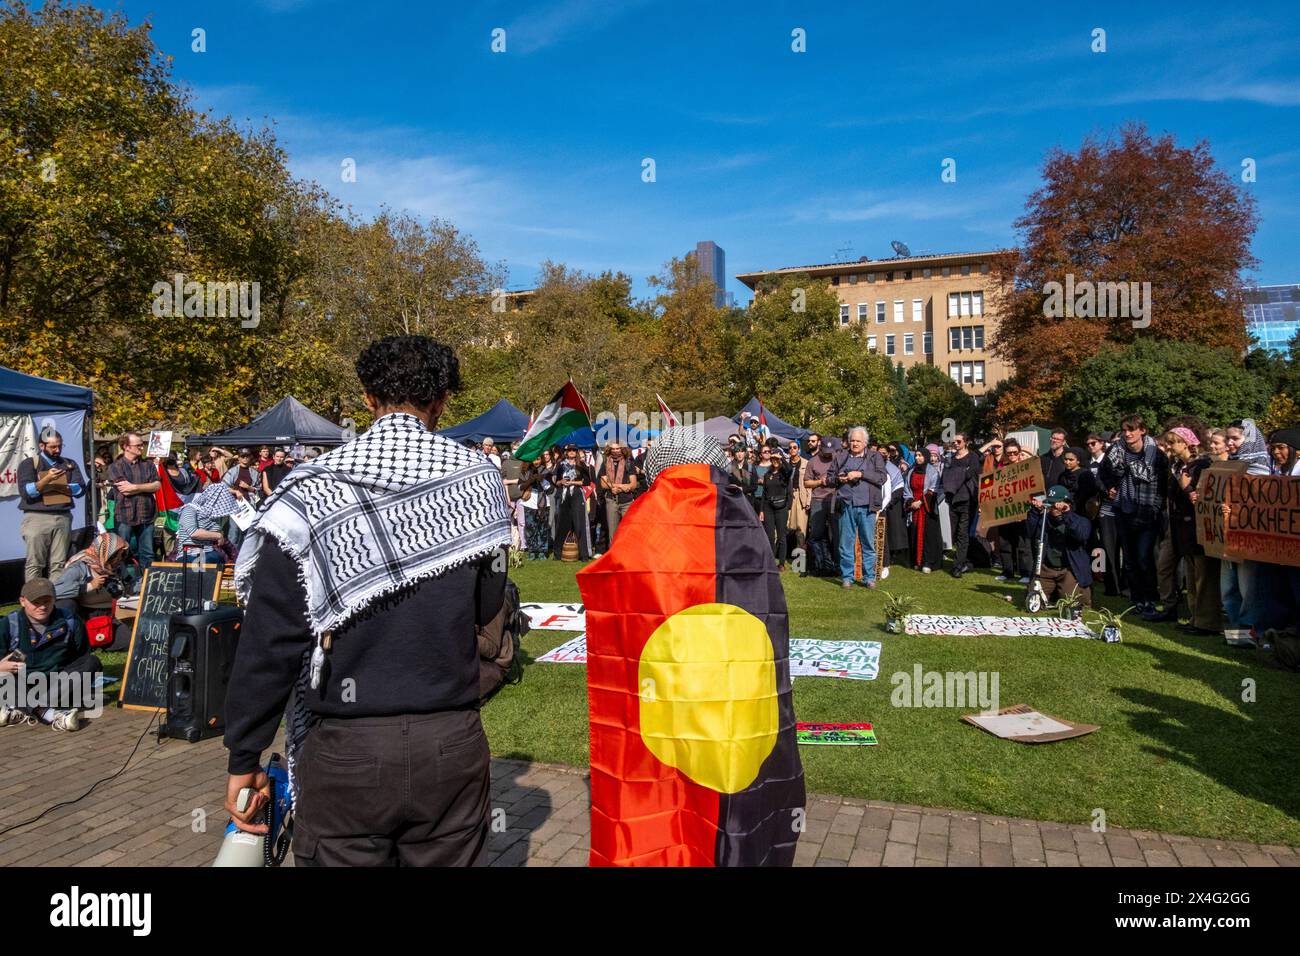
{"x": 712, "y": 262}
{"x": 1271, "y": 315}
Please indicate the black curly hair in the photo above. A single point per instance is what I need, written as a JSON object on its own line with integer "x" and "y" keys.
{"x": 408, "y": 370}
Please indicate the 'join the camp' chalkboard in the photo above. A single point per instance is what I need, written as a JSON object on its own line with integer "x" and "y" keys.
{"x": 167, "y": 588}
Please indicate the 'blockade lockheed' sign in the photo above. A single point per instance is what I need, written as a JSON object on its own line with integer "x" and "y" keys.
{"x": 1264, "y": 519}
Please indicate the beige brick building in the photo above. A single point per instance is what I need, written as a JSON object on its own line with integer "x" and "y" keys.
{"x": 918, "y": 309}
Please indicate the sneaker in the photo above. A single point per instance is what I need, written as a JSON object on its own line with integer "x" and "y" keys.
{"x": 846, "y": 583}
{"x": 1001, "y": 577}
{"x": 1025, "y": 579}
{"x": 871, "y": 584}
{"x": 13, "y": 717}
{"x": 68, "y": 721}
{"x": 925, "y": 570}
{"x": 884, "y": 573}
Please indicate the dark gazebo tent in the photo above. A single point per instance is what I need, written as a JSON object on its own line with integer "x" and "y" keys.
{"x": 289, "y": 422}
{"x": 503, "y": 422}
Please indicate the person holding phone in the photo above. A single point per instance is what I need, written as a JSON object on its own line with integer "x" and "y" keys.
{"x": 47, "y": 486}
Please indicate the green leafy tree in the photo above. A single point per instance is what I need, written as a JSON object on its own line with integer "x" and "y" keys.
{"x": 932, "y": 398}
{"x": 807, "y": 369}
{"x": 1159, "y": 379}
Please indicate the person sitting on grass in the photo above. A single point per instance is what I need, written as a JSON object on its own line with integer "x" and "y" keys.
{"x": 42, "y": 639}
{"x": 1066, "y": 562}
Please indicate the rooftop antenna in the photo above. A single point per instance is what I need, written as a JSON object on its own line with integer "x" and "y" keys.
{"x": 900, "y": 249}
{"x": 844, "y": 253}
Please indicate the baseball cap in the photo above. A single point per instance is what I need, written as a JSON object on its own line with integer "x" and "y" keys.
{"x": 38, "y": 588}
{"x": 1058, "y": 493}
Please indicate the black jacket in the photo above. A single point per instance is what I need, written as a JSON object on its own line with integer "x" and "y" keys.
{"x": 961, "y": 478}
{"x": 413, "y": 652}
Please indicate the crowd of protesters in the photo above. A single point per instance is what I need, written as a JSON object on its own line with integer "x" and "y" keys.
{"x": 1118, "y": 510}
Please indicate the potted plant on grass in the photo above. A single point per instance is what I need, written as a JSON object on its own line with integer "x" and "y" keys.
{"x": 1110, "y": 626}
{"x": 1069, "y": 607}
{"x": 897, "y": 609}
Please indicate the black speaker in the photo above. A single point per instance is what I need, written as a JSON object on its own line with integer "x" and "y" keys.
{"x": 201, "y": 652}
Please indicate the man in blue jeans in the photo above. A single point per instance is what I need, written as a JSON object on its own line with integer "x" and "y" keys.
{"x": 858, "y": 476}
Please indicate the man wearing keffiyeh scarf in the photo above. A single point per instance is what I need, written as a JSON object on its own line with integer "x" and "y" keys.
{"x": 365, "y": 577}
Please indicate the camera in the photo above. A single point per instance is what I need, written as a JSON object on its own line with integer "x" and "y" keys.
{"x": 114, "y": 587}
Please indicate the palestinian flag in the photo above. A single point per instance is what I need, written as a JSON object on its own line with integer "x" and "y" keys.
{"x": 562, "y": 416}
{"x": 693, "y": 753}
{"x": 669, "y": 419}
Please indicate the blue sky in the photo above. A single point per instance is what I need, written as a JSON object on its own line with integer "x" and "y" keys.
{"x": 782, "y": 158}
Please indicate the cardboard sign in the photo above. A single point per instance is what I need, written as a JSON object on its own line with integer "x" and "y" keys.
{"x": 163, "y": 593}
{"x": 1005, "y": 493}
{"x": 556, "y": 617}
{"x": 160, "y": 445}
{"x": 985, "y": 625}
{"x": 1025, "y": 725}
{"x": 56, "y": 492}
{"x": 835, "y": 735}
{"x": 1265, "y": 520}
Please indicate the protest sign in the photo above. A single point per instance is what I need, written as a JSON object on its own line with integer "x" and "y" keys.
{"x": 1005, "y": 493}
{"x": 556, "y": 617}
{"x": 570, "y": 652}
{"x": 852, "y": 660}
{"x": 160, "y": 445}
{"x": 1264, "y": 524}
{"x": 17, "y": 442}
{"x": 1025, "y": 725}
{"x": 836, "y": 735}
{"x": 981, "y": 625}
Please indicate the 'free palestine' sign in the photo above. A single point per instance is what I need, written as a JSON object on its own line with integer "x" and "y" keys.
{"x": 1005, "y": 493}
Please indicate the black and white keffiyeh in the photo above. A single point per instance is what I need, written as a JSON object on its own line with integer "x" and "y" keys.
{"x": 683, "y": 445}
{"x": 392, "y": 507}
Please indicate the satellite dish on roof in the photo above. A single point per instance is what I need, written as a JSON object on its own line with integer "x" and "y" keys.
{"x": 900, "y": 248}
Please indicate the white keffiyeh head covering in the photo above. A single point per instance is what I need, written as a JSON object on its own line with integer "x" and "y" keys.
{"x": 392, "y": 507}
{"x": 683, "y": 445}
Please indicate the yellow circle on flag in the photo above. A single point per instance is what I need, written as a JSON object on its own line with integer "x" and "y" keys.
{"x": 707, "y": 686}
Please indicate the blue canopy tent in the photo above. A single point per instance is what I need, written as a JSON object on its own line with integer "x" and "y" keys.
{"x": 609, "y": 428}
{"x": 503, "y": 422}
{"x": 776, "y": 426}
{"x": 27, "y": 404}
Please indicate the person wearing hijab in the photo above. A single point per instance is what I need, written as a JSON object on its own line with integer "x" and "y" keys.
{"x": 87, "y": 583}
{"x": 1238, "y": 580}
{"x": 925, "y": 540}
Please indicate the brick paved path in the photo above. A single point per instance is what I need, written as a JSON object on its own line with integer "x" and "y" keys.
{"x": 146, "y": 816}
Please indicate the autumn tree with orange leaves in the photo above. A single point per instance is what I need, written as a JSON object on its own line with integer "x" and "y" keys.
{"x": 1130, "y": 208}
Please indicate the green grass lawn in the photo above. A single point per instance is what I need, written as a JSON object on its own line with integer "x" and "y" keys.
{"x": 1178, "y": 749}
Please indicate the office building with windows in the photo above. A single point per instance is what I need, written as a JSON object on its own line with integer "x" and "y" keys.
{"x": 934, "y": 310}
{"x": 711, "y": 261}
{"x": 1271, "y": 315}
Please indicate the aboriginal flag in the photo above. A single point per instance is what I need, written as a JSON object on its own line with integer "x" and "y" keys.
{"x": 693, "y": 753}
